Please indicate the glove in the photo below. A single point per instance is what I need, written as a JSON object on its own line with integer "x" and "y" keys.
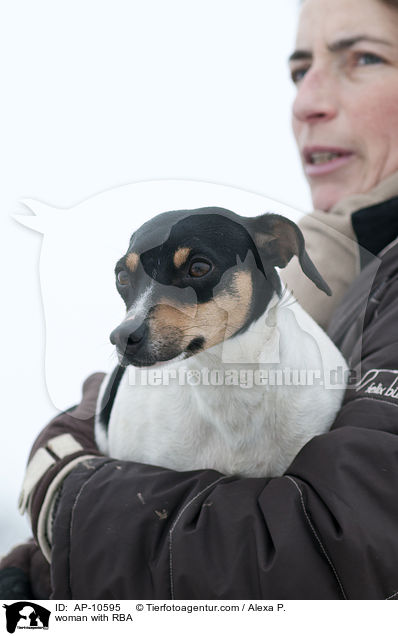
{"x": 25, "y": 573}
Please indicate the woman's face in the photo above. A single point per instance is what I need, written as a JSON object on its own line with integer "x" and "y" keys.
{"x": 345, "y": 115}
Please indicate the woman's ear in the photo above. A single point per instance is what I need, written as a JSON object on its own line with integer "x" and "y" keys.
{"x": 277, "y": 240}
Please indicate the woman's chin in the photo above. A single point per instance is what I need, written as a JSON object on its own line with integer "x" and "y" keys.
{"x": 325, "y": 197}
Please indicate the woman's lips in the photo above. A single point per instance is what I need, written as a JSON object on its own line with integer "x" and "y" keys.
{"x": 322, "y": 160}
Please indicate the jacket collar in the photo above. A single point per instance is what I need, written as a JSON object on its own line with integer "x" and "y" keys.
{"x": 373, "y": 216}
{"x": 376, "y": 227}
{"x": 385, "y": 190}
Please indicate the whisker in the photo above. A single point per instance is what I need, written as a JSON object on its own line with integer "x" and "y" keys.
{"x": 287, "y": 298}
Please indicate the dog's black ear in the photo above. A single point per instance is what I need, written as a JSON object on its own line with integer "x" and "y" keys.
{"x": 278, "y": 239}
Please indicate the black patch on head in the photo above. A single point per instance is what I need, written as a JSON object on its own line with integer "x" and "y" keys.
{"x": 215, "y": 235}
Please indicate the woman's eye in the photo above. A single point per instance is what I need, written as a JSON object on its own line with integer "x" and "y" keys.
{"x": 297, "y": 74}
{"x": 122, "y": 277}
{"x": 364, "y": 59}
{"x": 199, "y": 268}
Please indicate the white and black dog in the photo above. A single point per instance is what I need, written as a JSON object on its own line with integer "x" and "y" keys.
{"x": 206, "y": 311}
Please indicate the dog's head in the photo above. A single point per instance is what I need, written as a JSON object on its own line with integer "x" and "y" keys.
{"x": 193, "y": 278}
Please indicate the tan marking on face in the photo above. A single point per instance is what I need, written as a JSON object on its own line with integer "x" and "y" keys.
{"x": 237, "y": 307}
{"x": 216, "y": 320}
{"x": 180, "y": 256}
{"x": 132, "y": 261}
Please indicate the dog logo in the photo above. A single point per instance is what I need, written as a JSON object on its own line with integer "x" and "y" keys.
{"x": 26, "y": 615}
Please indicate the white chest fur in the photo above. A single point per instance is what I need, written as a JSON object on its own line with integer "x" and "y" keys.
{"x": 246, "y": 406}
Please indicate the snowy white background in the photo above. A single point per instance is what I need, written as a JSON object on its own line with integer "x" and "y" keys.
{"x": 97, "y": 95}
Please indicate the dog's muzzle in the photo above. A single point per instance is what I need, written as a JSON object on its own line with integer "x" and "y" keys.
{"x": 129, "y": 339}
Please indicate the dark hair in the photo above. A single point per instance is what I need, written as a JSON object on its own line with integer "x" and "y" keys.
{"x": 390, "y": 3}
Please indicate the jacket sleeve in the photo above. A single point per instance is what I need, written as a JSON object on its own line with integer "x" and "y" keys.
{"x": 25, "y": 573}
{"x": 327, "y": 529}
{"x": 64, "y": 443}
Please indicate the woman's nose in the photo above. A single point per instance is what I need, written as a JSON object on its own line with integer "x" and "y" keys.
{"x": 316, "y": 98}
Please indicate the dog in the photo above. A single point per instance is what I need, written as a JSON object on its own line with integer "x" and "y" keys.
{"x": 203, "y": 294}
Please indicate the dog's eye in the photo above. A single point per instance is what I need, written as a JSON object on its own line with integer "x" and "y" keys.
{"x": 199, "y": 268}
{"x": 122, "y": 277}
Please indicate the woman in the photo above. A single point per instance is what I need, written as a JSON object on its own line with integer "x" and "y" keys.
{"x": 327, "y": 529}
{"x": 345, "y": 120}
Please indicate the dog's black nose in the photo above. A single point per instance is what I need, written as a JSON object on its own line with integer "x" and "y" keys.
{"x": 127, "y": 338}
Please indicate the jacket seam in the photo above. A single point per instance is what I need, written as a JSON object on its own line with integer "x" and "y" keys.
{"x": 388, "y": 247}
{"x": 77, "y": 497}
{"x": 392, "y": 596}
{"x": 317, "y": 536}
{"x": 358, "y": 399}
{"x": 171, "y": 571}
